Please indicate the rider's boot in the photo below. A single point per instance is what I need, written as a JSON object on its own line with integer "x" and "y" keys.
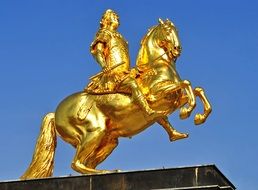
{"x": 138, "y": 96}
{"x": 145, "y": 106}
{"x": 177, "y": 135}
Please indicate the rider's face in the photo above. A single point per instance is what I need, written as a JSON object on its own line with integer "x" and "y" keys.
{"x": 114, "y": 21}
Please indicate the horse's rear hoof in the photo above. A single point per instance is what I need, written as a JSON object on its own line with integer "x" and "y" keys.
{"x": 116, "y": 171}
{"x": 108, "y": 171}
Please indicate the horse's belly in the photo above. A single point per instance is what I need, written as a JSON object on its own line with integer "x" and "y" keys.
{"x": 124, "y": 117}
{"x": 129, "y": 123}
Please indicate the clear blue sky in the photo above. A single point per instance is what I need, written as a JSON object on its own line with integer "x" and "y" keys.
{"x": 44, "y": 57}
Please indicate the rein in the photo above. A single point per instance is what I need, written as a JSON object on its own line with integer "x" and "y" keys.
{"x": 175, "y": 58}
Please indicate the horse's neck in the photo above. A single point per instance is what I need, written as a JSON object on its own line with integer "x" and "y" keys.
{"x": 164, "y": 72}
{"x": 152, "y": 57}
{"x": 156, "y": 75}
{"x": 149, "y": 50}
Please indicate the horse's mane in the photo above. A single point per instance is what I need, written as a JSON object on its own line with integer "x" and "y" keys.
{"x": 148, "y": 34}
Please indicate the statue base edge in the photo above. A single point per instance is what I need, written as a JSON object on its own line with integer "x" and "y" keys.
{"x": 200, "y": 177}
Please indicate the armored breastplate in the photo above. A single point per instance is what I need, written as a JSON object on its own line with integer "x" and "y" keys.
{"x": 118, "y": 52}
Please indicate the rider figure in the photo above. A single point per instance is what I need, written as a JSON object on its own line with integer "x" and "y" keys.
{"x": 110, "y": 50}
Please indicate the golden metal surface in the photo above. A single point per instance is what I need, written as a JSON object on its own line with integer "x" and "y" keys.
{"x": 119, "y": 102}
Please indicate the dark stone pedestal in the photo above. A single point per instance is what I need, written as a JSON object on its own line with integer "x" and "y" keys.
{"x": 196, "y": 177}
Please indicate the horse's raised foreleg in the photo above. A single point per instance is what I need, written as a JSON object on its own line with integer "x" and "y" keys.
{"x": 172, "y": 133}
{"x": 200, "y": 118}
{"x": 186, "y": 111}
{"x": 161, "y": 90}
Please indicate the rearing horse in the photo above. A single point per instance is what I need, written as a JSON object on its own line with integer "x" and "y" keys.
{"x": 93, "y": 123}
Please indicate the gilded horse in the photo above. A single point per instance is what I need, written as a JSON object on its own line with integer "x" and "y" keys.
{"x": 93, "y": 123}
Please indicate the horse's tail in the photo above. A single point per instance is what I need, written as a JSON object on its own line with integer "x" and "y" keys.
{"x": 42, "y": 163}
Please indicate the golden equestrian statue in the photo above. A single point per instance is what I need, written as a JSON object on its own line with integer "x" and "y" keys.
{"x": 119, "y": 102}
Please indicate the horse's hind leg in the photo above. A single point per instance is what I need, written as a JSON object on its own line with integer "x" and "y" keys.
{"x": 200, "y": 118}
{"x": 84, "y": 152}
{"x": 103, "y": 151}
{"x": 93, "y": 152}
{"x": 90, "y": 141}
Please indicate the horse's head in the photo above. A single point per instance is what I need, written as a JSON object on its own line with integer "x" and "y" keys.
{"x": 161, "y": 41}
{"x": 168, "y": 38}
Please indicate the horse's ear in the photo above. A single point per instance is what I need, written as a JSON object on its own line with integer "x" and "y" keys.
{"x": 167, "y": 20}
{"x": 170, "y": 22}
{"x": 161, "y": 21}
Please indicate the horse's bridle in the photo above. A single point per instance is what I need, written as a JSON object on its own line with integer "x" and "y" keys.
{"x": 167, "y": 50}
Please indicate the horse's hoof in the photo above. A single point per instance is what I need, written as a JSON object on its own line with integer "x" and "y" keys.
{"x": 184, "y": 113}
{"x": 117, "y": 171}
{"x": 199, "y": 119}
{"x": 110, "y": 171}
